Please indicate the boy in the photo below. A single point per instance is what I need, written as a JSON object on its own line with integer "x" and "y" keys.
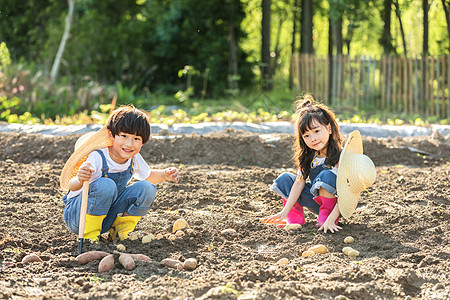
{"x": 108, "y": 159}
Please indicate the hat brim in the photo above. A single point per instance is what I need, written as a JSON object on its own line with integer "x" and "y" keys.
{"x": 347, "y": 200}
{"x": 95, "y": 141}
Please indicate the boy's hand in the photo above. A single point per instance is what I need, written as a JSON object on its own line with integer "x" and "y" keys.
{"x": 171, "y": 174}
{"x": 84, "y": 173}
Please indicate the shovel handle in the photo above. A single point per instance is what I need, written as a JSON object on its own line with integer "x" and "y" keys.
{"x": 83, "y": 211}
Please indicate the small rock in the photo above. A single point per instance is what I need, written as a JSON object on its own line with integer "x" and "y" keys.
{"x": 180, "y": 233}
{"x": 121, "y": 247}
{"x": 9, "y": 161}
{"x": 172, "y": 237}
{"x": 79, "y": 281}
{"x": 230, "y": 231}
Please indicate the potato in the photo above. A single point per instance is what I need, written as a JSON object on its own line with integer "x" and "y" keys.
{"x": 180, "y": 267}
{"x": 172, "y": 263}
{"x": 148, "y": 238}
{"x": 349, "y": 240}
{"x": 179, "y": 224}
{"x": 190, "y": 231}
{"x": 121, "y": 247}
{"x": 353, "y": 253}
{"x": 31, "y": 258}
{"x": 293, "y": 226}
{"x": 190, "y": 264}
{"x": 319, "y": 249}
{"x": 106, "y": 264}
{"x": 308, "y": 253}
{"x": 283, "y": 261}
{"x": 141, "y": 257}
{"x": 159, "y": 236}
{"x": 346, "y": 250}
{"x": 89, "y": 256}
{"x": 172, "y": 237}
{"x": 127, "y": 261}
{"x": 133, "y": 236}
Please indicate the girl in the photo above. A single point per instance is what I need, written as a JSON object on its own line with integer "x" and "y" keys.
{"x": 316, "y": 153}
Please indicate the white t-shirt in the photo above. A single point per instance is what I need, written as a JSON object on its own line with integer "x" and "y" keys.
{"x": 318, "y": 161}
{"x": 141, "y": 168}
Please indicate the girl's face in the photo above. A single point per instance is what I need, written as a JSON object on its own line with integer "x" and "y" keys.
{"x": 125, "y": 146}
{"x": 317, "y": 136}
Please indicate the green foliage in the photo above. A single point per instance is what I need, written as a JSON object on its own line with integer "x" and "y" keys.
{"x": 5, "y": 58}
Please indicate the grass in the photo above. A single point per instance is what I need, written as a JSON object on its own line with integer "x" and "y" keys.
{"x": 247, "y": 106}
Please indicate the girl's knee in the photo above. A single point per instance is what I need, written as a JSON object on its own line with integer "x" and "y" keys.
{"x": 328, "y": 177}
{"x": 285, "y": 178}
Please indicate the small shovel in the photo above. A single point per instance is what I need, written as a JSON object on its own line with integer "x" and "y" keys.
{"x": 83, "y": 211}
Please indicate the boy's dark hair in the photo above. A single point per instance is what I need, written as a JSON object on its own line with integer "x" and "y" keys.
{"x": 308, "y": 111}
{"x": 128, "y": 119}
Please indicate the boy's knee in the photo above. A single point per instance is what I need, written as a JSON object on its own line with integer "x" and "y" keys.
{"x": 103, "y": 191}
{"x": 148, "y": 191}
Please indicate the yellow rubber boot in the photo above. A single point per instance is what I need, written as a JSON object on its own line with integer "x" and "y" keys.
{"x": 122, "y": 226}
{"x": 93, "y": 227}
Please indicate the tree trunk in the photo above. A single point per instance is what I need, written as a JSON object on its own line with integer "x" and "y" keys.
{"x": 399, "y": 17}
{"x": 330, "y": 59}
{"x": 337, "y": 36}
{"x": 446, "y": 5}
{"x": 232, "y": 60}
{"x": 386, "y": 38}
{"x": 293, "y": 44}
{"x": 306, "y": 45}
{"x": 425, "y": 8}
{"x": 265, "y": 46}
{"x": 62, "y": 44}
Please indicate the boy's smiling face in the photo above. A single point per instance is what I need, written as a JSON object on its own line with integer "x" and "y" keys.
{"x": 125, "y": 146}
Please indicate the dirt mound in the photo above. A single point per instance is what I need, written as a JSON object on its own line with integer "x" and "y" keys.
{"x": 400, "y": 226}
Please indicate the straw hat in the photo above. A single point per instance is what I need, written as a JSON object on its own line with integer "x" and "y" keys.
{"x": 356, "y": 172}
{"x": 83, "y": 147}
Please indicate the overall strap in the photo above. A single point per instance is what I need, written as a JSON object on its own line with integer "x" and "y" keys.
{"x": 130, "y": 168}
{"x": 105, "y": 167}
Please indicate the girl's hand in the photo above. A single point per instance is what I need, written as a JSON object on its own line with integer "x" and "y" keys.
{"x": 276, "y": 217}
{"x": 171, "y": 174}
{"x": 330, "y": 225}
{"x": 84, "y": 173}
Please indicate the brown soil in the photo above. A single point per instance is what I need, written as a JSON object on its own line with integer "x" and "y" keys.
{"x": 401, "y": 226}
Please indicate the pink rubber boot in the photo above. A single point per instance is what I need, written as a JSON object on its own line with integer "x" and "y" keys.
{"x": 296, "y": 215}
{"x": 326, "y": 206}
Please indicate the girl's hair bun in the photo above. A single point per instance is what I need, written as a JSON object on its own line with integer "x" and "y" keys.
{"x": 305, "y": 101}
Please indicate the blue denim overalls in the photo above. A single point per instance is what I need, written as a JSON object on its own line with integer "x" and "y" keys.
{"x": 110, "y": 196}
{"x": 319, "y": 177}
